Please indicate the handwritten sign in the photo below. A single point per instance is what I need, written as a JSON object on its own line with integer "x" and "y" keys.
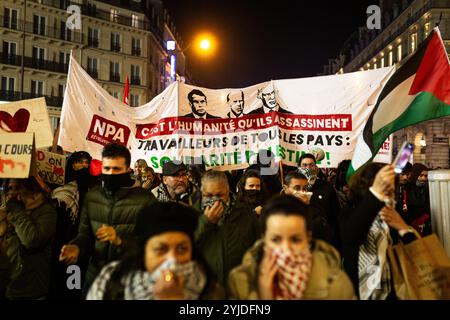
{"x": 16, "y": 154}
{"x": 51, "y": 167}
{"x": 27, "y": 116}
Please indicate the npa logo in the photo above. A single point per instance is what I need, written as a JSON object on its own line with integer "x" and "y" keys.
{"x": 104, "y": 131}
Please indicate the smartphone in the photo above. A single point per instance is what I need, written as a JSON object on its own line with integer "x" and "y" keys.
{"x": 403, "y": 156}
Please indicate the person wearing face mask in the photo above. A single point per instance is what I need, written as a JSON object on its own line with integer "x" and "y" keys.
{"x": 108, "y": 214}
{"x": 324, "y": 195}
{"x": 68, "y": 200}
{"x": 368, "y": 227}
{"x": 288, "y": 263}
{"x": 296, "y": 184}
{"x": 251, "y": 192}
{"x": 225, "y": 231}
{"x": 161, "y": 262}
{"x": 31, "y": 227}
{"x": 175, "y": 184}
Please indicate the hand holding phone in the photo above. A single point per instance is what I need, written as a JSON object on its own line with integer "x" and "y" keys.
{"x": 403, "y": 156}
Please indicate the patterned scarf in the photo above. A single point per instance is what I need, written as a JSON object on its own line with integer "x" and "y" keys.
{"x": 373, "y": 268}
{"x": 139, "y": 284}
{"x": 310, "y": 174}
{"x": 293, "y": 273}
{"x": 69, "y": 195}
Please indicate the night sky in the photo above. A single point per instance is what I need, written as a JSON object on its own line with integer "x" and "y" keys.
{"x": 263, "y": 40}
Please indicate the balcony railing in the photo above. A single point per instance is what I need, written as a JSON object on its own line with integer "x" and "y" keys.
{"x": 114, "y": 77}
{"x": 92, "y": 72}
{"x": 34, "y": 63}
{"x": 115, "y": 47}
{"x": 46, "y": 31}
{"x": 135, "y": 81}
{"x": 53, "y": 101}
{"x": 92, "y": 11}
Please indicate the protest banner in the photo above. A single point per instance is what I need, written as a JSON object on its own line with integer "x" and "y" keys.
{"x": 16, "y": 155}
{"x": 51, "y": 166}
{"x": 224, "y": 128}
{"x": 27, "y": 116}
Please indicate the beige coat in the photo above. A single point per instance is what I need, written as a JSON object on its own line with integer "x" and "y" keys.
{"x": 327, "y": 280}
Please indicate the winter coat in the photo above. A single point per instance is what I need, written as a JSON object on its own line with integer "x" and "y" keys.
{"x": 222, "y": 247}
{"x": 326, "y": 281}
{"x": 28, "y": 249}
{"x": 118, "y": 210}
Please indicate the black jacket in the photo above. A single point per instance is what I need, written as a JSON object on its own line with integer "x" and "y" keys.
{"x": 324, "y": 197}
{"x": 355, "y": 223}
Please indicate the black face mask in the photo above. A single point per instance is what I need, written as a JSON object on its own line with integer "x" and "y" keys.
{"x": 253, "y": 197}
{"x": 113, "y": 182}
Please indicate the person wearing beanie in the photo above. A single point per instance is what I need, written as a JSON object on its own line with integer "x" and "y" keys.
{"x": 161, "y": 262}
{"x": 175, "y": 185}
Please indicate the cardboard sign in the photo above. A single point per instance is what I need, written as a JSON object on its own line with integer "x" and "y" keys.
{"x": 27, "y": 116}
{"x": 16, "y": 155}
{"x": 51, "y": 167}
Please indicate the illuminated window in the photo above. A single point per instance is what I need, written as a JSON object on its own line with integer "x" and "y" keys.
{"x": 134, "y": 21}
{"x": 427, "y": 29}
{"x": 382, "y": 62}
{"x": 114, "y": 15}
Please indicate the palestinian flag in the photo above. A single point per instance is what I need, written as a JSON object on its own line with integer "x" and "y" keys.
{"x": 418, "y": 91}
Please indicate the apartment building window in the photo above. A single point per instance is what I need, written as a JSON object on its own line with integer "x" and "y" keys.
{"x": 64, "y": 58}
{"x": 65, "y": 33}
{"x": 93, "y": 67}
{"x": 8, "y": 84}
{"x": 114, "y": 71}
{"x": 134, "y": 100}
{"x": 115, "y": 42}
{"x": 134, "y": 21}
{"x": 135, "y": 47}
{"x": 39, "y": 24}
{"x": 37, "y": 88}
{"x": 93, "y": 36}
{"x": 135, "y": 75}
{"x": 382, "y": 62}
{"x": 114, "y": 15}
{"x": 391, "y": 58}
{"x": 61, "y": 89}
{"x": 427, "y": 29}
{"x": 115, "y": 94}
{"x": 10, "y": 49}
{"x": 413, "y": 42}
{"x": 399, "y": 53}
{"x": 10, "y": 18}
{"x": 38, "y": 57}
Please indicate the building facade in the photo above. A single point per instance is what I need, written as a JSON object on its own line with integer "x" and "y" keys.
{"x": 405, "y": 24}
{"x": 115, "y": 39}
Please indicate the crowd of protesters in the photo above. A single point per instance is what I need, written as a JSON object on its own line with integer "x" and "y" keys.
{"x": 191, "y": 233}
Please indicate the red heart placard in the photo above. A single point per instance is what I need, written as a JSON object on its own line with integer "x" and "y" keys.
{"x": 16, "y": 123}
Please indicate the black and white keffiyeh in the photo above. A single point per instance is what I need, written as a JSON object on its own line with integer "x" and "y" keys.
{"x": 139, "y": 284}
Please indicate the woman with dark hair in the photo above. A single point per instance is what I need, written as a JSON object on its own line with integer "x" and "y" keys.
{"x": 368, "y": 227}
{"x": 287, "y": 263}
{"x": 161, "y": 263}
{"x": 31, "y": 227}
{"x": 340, "y": 183}
{"x": 251, "y": 191}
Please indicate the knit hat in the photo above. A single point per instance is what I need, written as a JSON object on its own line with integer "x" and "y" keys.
{"x": 165, "y": 217}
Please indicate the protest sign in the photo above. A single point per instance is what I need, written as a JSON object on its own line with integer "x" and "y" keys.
{"x": 224, "y": 128}
{"x": 27, "y": 116}
{"x": 16, "y": 155}
{"x": 51, "y": 166}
